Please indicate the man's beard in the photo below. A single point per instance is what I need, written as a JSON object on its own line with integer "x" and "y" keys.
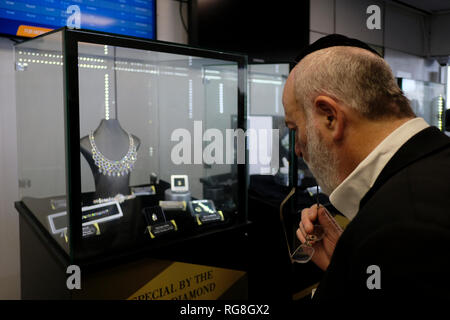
{"x": 322, "y": 162}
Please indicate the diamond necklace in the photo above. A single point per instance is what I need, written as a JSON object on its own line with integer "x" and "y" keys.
{"x": 111, "y": 167}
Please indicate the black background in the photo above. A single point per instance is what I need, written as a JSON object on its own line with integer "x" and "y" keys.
{"x": 273, "y": 31}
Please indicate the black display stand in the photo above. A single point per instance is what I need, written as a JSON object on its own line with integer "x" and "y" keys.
{"x": 123, "y": 268}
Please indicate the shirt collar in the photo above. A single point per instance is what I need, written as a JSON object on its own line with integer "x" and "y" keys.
{"x": 347, "y": 196}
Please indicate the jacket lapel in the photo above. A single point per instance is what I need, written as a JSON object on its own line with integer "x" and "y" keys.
{"x": 422, "y": 144}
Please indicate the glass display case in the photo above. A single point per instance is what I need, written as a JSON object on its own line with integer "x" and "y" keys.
{"x": 265, "y": 105}
{"x": 121, "y": 141}
{"x": 266, "y": 113}
{"x": 427, "y": 100}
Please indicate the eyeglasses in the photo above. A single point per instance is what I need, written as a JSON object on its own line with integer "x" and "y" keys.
{"x": 305, "y": 251}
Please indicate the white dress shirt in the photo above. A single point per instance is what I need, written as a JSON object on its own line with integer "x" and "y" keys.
{"x": 347, "y": 196}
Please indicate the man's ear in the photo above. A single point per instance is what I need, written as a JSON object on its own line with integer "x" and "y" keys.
{"x": 330, "y": 115}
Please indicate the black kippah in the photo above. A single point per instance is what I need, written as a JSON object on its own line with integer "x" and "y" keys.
{"x": 333, "y": 40}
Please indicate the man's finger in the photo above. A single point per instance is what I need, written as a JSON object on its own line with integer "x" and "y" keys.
{"x": 300, "y": 235}
{"x": 309, "y": 215}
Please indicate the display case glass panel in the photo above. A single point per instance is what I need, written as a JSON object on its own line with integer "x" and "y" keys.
{"x": 134, "y": 132}
{"x": 265, "y": 92}
{"x": 266, "y": 113}
{"x": 427, "y": 99}
{"x": 41, "y": 129}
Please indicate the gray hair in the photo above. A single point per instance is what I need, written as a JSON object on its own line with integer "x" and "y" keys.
{"x": 356, "y": 77}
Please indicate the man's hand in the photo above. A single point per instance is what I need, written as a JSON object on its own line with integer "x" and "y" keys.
{"x": 323, "y": 249}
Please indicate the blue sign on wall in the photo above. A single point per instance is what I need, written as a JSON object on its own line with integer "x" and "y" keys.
{"x": 32, "y": 17}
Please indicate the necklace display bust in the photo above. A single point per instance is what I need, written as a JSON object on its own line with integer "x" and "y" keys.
{"x": 110, "y": 152}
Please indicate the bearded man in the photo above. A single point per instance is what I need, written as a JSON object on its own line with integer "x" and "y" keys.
{"x": 383, "y": 168}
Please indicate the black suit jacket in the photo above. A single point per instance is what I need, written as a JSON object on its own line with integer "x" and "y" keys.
{"x": 402, "y": 226}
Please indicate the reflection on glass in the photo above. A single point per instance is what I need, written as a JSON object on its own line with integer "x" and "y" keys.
{"x": 269, "y": 146}
{"x": 427, "y": 100}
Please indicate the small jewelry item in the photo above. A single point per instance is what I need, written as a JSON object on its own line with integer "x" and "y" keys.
{"x": 205, "y": 208}
{"x": 111, "y": 167}
{"x": 119, "y": 198}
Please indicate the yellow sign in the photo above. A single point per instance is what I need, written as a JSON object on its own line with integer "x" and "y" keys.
{"x": 30, "y": 31}
{"x": 184, "y": 281}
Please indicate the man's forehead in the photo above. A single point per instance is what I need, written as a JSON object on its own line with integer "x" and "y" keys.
{"x": 288, "y": 91}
